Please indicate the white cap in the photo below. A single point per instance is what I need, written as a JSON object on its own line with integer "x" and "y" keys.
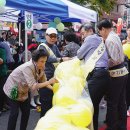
{"x": 51, "y": 30}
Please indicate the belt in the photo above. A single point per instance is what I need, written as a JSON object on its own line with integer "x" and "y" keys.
{"x": 118, "y": 72}
{"x": 117, "y": 66}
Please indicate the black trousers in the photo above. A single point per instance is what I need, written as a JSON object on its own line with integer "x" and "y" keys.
{"x": 46, "y": 100}
{"x": 98, "y": 83}
{"x": 2, "y": 94}
{"x": 128, "y": 88}
{"x": 14, "y": 111}
{"x": 116, "y": 104}
{"x": 128, "y": 92}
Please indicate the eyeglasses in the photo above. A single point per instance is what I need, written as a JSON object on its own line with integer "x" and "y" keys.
{"x": 52, "y": 35}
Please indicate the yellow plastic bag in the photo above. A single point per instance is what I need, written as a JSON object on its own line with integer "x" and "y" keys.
{"x": 77, "y": 84}
{"x": 87, "y": 103}
{"x": 60, "y": 112}
{"x": 56, "y": 87}
{"x": 81, "y": 115}
{"x": 71, "y": 127}
{"x": 65, "y": 96}
{"x": 66, "y": 70}
{"x": 49, "y": 123}
{"x": 126, "y": 49}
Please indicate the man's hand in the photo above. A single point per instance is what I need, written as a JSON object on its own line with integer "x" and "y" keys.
{"x": 1, "y": 61}
{"x": 124, "y": 41}
{"x": 66, "y": 58}
{"x": 41, "y": 74}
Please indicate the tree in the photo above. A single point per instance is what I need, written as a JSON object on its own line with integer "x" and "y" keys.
{"x": 98, "y": 5}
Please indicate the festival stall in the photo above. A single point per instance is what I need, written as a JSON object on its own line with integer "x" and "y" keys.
{"x": 48, "y": 10}
{"x": 72, "y": 107}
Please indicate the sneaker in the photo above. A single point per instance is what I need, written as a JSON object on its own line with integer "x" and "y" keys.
{"x": 37, "y": 101}
{"x": 5, "y": 109}
{"x": 32, "y": 103}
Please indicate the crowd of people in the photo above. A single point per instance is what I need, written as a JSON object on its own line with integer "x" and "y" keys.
{"x": 109, "y": 78}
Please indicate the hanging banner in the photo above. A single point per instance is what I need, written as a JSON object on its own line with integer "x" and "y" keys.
{"x": 28, "y": 21}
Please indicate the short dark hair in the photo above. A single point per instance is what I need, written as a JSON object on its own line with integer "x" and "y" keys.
{"x": 3, "y": 33}
{"x": 69, "y": 36}
{"x": 104, "y": 24}
{"x": 87, "y": 27}
{"x": 37, "y": 54}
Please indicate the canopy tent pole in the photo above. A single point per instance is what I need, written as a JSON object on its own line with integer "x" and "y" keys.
{"x": 26, "y": 46}
{"x": 19, "y": 33}
{"x": 28, "y": 27}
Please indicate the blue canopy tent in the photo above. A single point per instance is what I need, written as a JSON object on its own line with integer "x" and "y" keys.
{"x": 46, "y": 10}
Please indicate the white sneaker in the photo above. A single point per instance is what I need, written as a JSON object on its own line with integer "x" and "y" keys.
{"x": 32, "y": 103}
{"x": 37, "y": 101}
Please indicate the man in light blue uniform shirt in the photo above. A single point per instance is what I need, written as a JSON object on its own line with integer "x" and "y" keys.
{"x": 98, "y": 79}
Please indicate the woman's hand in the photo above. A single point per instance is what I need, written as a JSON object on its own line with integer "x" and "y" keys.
{"x": 66, "y": 58}
{"x": 41, "y": 74}
{"x": 124, "y": 41}
{"x": 50, "y": 87}
{"x": 53, "y": 80}
{"x": 44, "y": 84}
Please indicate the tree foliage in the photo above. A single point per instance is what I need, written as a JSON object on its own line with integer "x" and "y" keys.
{"x": 98, "y": 5}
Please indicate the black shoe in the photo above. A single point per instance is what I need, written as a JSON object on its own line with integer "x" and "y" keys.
{"x": 5, "y": 109}
{"x": 105, "y": 121}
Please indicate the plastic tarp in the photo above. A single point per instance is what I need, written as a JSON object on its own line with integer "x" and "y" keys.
{"x": 48, "y": 9}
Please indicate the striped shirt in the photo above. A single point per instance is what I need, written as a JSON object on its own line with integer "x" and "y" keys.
{"x": 114, "y": 48}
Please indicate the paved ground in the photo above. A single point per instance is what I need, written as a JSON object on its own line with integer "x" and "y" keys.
{"x": 34, "y": 116}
